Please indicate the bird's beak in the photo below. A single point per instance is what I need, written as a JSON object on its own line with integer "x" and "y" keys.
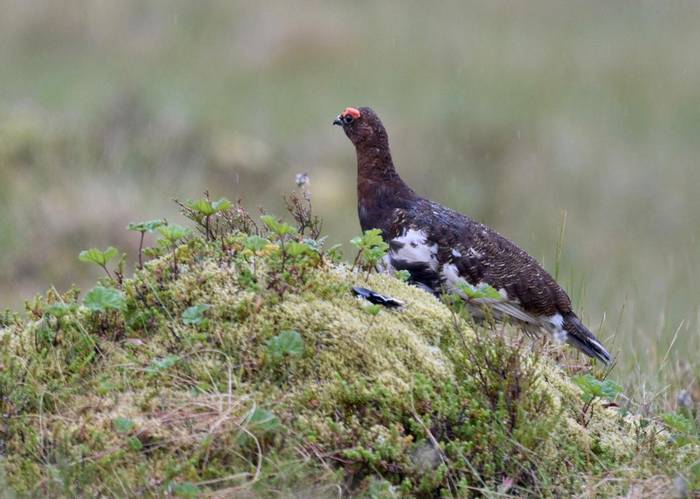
{"x": 338, "y": 121}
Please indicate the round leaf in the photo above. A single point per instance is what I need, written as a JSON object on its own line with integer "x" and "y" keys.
{"x": 286, "y": 343}
{"x": 101, "y": 299}
{"x": 96, "y": 256}
{"x": 194, "y": 315}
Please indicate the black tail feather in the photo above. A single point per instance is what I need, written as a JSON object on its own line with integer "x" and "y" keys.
{"x": 580, "y": 337}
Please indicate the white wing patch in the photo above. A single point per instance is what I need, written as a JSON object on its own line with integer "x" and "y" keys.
{"x": 413, "y": 247}
{"x": 557, "y": 321}
{"x": 555, "y": 325}
{"x": 452, "y": 279}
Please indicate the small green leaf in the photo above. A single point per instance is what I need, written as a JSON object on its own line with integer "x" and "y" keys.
{"x": 194, "y": 315}
{"x": 173, "y": 232}
{"x": 373, "y": 309}
{"x": 587, "y": 384}
{"x": 372, "y": 237}
{"x": 207, "y": 208}
{"x": 403, "y": 275}
{"x": 593, "y": 388}
{"x": 146, "y": 226}
{"x": 610, "y": 389}
{"x": 295, "y": 248}
{"x": 279, "y": 228}
{"x": 287, "y": 343}
{"x": 222, "y": 204}
{"x": 59, "y": 310}
{"x": 371, "y": 246}
{"x": 255, "y": 243}
{"x": 185, "y": 489}
{"x": 270, "y": 222}
{"x": 483, "y": 290}
{"x": 163, "y": 363}
{"x": 201, "y": 206}
{"x": 684, "y": 429}
{"x": 45, "y": 334}
{"x": 262, "y": 421}
{"x": 98, "y": 257}
{"x": 101, "y": 299}
{"x": 678, "y": 422}
{"x": 123, "y": 425}
{"x": 134, "y": 444}
{"x": 315, "y": 244}
{"x": 335, "y": 253}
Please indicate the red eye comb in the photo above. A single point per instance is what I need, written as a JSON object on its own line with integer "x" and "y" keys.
{"x": 352, "y": 112}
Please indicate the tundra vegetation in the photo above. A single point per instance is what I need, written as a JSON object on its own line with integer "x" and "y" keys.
{"x": 236, "y": 362}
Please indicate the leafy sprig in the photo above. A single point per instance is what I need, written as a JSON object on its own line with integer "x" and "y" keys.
{"x": 172, "y": 235}
{"x": 99, "y": 257}
{"x": 593, "y": 389}
{"x": 371, "y": 249}
{"x": 206, "y": 208}
{"x": 143, "y": 227}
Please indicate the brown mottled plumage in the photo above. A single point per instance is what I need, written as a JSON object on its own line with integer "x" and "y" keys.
{"x": 443, "y": 249}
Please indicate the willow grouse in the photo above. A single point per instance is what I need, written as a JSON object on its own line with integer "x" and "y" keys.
{"x": 443, "y": 249}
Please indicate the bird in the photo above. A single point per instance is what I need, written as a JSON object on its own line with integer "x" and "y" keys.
{"x": 446, "y": 251}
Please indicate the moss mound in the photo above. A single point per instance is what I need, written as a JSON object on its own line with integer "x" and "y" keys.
{"x": 243, "y": 366}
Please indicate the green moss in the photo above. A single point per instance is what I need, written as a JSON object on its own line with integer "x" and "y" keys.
{"x": 405, "y": 402}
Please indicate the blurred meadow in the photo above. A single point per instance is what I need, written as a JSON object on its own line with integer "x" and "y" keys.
{"x": 513, "y": 113}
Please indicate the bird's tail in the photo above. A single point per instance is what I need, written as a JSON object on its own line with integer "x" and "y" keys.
{"x": 580, "y": 337}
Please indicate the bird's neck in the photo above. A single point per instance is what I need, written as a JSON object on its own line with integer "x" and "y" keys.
{"x": 380, "y": 189}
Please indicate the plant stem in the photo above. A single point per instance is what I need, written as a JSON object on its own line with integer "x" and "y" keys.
{"x": 357, "y": 259}
{"x": 107, "y": 270}
{"x": 141, "y": 251}
{"x": 174, "y": 258}
{"x": 284, "y": 252}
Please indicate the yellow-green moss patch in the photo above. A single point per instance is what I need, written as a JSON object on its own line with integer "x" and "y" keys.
{"x": 411, "y": 401}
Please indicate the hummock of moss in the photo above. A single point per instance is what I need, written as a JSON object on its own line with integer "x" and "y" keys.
{"x": 245, "y": 367}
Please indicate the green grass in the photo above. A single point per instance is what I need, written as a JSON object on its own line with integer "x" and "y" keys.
{"x": 511, "y": 114}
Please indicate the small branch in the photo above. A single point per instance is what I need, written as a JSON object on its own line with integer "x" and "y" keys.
{"x": 107, "y": 270}
{"x": 141, "y": 250}
{"x": 357, "y": 259}
{"x": 175, "y": 258}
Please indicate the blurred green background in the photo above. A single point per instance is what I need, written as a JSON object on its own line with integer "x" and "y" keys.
{"x": 511, "y": 112}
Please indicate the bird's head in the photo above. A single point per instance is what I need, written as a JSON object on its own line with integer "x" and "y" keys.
{"x": 362, "y": 126}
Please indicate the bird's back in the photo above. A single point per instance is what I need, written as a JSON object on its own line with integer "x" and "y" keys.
{"x": 482, "y": 255}
{"x": 444, "y": 250}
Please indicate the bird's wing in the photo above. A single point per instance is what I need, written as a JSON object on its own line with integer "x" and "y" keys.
{"x": 444, "y": 247}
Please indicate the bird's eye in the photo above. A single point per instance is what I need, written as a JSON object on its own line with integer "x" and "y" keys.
{"x": 347, "y": 119}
